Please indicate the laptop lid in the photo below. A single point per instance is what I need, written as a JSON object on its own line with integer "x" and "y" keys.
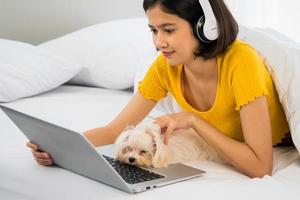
{"x": 72, "y": 151}
{"x": 69, "y": 149}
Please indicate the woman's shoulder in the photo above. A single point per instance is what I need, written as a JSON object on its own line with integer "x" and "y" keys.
{"x": 161, "y": 60}
{"x": 241, "y": 59}
{"x": 240, "y": 53}
{"x": 240, "y": 48}
{"x": 162, "y": 66}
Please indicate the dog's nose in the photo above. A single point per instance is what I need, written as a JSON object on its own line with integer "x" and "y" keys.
{"x": 131, "y": 159}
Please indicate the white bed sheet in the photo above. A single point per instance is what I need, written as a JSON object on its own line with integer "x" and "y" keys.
{"x": 81, "y": 108}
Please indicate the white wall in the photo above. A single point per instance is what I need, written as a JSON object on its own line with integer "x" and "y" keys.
{"x": 36, "y": 21}
{"x": 281, "y": 15}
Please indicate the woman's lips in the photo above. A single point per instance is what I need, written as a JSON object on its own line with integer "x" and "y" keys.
{"x": 168, "y": 54}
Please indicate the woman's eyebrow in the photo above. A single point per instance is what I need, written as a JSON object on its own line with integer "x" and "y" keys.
{"x": 162, "y": 25}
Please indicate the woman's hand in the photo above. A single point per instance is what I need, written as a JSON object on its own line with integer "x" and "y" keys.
{"x": 171, "y": 122}
{"x": 43, "y": 158}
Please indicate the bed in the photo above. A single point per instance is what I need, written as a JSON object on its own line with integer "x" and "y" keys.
{"x": 79, "y": 97}
{"x": 80, "y": 108}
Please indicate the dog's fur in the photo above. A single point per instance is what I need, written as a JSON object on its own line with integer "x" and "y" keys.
{"x": 143, "y": 146}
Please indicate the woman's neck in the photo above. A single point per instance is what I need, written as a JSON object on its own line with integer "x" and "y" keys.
{"x": 200, "y": 68}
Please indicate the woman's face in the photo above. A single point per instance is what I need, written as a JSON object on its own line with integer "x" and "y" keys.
{"x": 172, "y": 35}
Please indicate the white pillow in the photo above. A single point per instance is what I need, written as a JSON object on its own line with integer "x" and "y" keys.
{"x": 109, "y": 52}
{"x": 283, "y": 55}
{"x": 26, "y": 70}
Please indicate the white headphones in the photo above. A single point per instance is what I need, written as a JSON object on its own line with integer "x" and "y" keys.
{"x": 207, "y": 27}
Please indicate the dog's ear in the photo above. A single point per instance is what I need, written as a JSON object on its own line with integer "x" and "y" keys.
{"x": 123, "y": 137}
{"x": 160, "y": 158}
{"x": 130, "y": 127}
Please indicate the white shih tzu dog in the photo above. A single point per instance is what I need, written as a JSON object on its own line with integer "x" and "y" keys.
{"x": 143, "y": 146}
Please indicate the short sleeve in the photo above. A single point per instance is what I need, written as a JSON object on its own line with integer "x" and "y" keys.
{"x": 153, "y": 85}
{"x": 248, "y": 76}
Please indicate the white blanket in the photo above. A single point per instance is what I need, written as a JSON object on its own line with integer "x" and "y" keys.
{"x": 82, "y": 108}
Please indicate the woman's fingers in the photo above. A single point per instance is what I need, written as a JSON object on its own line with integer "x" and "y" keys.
{"x": 42, "y": 155}
{"x": 44, "y": 161}
{"x": 43, "y": 158}
{"x": 167, "y": 127}
{"x": 167, "y": 133}
{"x": 32, "y": 146}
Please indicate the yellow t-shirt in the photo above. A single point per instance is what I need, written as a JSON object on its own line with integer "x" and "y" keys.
{"x": 242, "y": 77}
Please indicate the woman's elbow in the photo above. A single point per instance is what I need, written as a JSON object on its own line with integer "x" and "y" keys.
{"x": 260, "y": 172}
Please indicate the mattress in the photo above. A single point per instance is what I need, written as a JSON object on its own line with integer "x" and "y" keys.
{"x": 81, "y": 108}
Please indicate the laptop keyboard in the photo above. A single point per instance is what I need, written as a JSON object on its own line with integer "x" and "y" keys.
{"x": 132, "y": 174}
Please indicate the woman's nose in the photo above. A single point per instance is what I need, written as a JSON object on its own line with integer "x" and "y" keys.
{"x": 160, "y": 41}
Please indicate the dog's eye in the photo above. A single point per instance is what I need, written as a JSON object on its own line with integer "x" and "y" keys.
{"x": 127, "y": 149}
{"x": 143, "y": 152}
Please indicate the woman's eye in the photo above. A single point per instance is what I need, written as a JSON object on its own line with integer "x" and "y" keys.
{"x": 153, "y": 31}
{"x": 169, "y": 30}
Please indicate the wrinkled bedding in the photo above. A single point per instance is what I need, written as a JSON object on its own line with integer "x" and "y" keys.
{"x": 81, "y": 108}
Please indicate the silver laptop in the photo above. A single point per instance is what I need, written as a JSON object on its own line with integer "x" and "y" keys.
{"x": 72, "y": 151}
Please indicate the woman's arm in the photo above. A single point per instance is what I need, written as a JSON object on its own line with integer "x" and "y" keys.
{"x": 252, "y": 157}
{"x": 134, "y": 112}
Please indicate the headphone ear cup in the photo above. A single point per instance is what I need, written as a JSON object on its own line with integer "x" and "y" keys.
{"x": 199, "y": 30}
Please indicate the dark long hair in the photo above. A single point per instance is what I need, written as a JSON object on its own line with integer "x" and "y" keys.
{"x": 191, "y": 11}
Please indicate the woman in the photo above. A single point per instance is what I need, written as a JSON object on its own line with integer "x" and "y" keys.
{"x": 222, "y": 85}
